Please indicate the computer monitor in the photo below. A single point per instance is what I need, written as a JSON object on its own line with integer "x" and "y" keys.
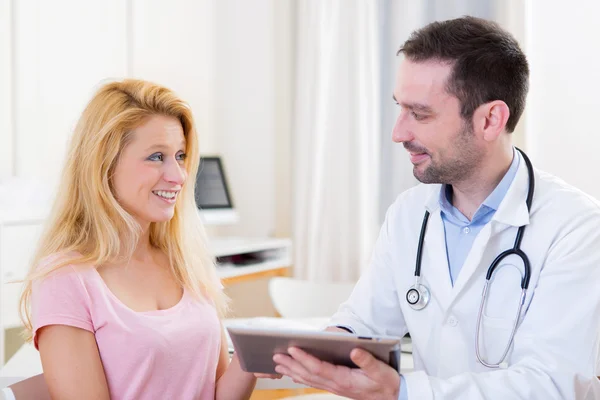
{"x": 212, "y": 193}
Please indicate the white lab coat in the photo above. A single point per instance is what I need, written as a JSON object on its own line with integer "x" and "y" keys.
{"x": 556, "y": 346}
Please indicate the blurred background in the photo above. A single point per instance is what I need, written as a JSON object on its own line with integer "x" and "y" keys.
{"x": 294, "y": 96}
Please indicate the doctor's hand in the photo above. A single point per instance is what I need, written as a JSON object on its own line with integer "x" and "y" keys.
{"x": 372, "y": 380}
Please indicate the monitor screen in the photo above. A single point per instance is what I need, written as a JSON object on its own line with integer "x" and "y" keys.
{"x": 211, "y": 190}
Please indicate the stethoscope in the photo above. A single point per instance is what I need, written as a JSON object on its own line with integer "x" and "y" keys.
{"x": 418, "y": 295}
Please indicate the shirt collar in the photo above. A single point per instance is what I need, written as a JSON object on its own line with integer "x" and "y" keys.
{"x": 492, "y": 202}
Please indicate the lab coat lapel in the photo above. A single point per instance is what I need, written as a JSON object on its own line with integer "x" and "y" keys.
{"x": 512, "y": 212}
{"x": 435, "y": 271}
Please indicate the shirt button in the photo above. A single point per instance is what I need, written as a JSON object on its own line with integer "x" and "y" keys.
{"x": 452, "y": 321}
{"x": 466, "y": 229}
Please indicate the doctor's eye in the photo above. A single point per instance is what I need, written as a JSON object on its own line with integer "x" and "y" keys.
{"x": 418, "y": 117}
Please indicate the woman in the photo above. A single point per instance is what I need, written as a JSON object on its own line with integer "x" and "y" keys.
{"x": 123, "y": 300}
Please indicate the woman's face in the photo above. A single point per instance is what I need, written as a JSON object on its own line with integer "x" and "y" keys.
{"x": 150, "y": 171}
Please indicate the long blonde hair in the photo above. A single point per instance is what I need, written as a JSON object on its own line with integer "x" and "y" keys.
{"x": 86, "y": 219}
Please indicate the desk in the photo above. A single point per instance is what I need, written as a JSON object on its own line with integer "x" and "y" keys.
{"x": 252, "y": 275}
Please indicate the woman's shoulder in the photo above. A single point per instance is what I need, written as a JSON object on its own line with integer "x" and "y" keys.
{"x": 62, "y": 277}
{"x": 61, "y": 263}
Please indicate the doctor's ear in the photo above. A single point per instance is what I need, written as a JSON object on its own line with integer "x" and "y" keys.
{"x": 490, "y": 119}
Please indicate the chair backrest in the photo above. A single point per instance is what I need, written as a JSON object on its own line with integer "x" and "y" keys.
{"x": 296, "y": 298}
{"x": 28, "y": 389}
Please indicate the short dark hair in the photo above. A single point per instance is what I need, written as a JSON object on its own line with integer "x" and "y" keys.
{"x": 488, "y": 63}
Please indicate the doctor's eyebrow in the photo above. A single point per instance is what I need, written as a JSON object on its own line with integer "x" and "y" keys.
{"x": 414, "y": 106}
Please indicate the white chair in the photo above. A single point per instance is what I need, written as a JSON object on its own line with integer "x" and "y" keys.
{"x": 22, "y": 374}
{"x": 297, "y": 298}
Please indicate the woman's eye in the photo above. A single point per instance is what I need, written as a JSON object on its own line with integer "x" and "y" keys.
{"x": 181, "y": 156}
{"x": 156, "y": 157}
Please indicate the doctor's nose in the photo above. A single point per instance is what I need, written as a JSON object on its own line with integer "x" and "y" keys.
{"x": 401, "y": 133}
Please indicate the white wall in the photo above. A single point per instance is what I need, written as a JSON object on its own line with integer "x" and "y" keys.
{"x": 55, "y": 54}
{"x": 172, "y": 43}
{"x": 245, "y": 110}
{"x": 58, "y": 59}
{"x": 5, "y": 90}
{"x": 562, "y": 135}
{"x": 220, "y": 56}
{"x": 285, "y": 38}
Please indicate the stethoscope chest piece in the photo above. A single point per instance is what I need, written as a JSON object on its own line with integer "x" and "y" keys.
{"x": 418, "y": 296}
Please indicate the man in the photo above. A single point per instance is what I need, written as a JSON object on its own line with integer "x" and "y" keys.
{"x": 461, "y": 89}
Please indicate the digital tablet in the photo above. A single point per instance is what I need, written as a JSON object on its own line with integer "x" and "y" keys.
{"x": 255, "y": 346}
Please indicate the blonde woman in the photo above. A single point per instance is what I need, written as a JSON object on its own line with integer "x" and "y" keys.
{"x": 123, "y": 300}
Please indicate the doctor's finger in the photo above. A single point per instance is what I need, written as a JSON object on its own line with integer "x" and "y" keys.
{"x": 298, "y": 367}
{"x": 372, "y": 367}
{"x": 292, "y": 368}
{"x": 315, "y": 366}
{"x": 310, "y": 381}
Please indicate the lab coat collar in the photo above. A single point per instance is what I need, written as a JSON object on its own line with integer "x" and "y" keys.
{"x": 433, "y": 200}
{"x": 512, "y": 210}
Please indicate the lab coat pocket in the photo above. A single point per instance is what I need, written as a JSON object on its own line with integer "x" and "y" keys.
{"x": 494, "y": 336}
{"x": 500, "y": 311}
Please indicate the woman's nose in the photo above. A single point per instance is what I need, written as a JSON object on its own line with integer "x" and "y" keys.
{"x": 175, "y": 173}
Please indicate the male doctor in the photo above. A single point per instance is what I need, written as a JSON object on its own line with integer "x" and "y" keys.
{"x": 461, "y": 89}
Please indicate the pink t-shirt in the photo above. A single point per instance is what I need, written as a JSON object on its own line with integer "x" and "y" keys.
{"x": 165, "y": 354}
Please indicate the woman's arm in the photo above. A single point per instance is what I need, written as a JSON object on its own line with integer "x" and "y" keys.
{"x": 232, "y": 382}
{"x": 71, "y": 363}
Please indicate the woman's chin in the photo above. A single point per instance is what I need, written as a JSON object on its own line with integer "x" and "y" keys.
{"x": 157, "y": 217}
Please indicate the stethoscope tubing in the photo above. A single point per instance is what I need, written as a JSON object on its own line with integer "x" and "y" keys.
{"x": 418, "y": 295}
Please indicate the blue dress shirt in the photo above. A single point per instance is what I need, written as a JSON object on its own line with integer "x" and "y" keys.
{"x": 460, "y": 232}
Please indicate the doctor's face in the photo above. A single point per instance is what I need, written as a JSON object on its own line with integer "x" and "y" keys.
{"x": 441, "y": 144}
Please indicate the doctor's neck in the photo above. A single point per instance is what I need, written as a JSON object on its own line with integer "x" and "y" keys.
{"x": 470, "y": 192}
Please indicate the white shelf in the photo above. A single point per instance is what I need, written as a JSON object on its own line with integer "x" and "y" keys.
{"x": 230, "y": 271}
{"x": 228, "y": 246}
